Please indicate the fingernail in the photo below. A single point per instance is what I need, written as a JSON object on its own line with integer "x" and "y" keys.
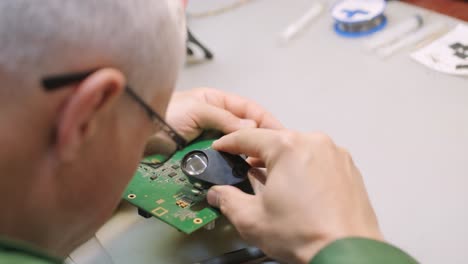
{"x": 248, "y": 123}
{"x": 213, "y": 197}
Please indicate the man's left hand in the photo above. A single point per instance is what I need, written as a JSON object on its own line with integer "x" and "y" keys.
{"x": 191, "y": 112}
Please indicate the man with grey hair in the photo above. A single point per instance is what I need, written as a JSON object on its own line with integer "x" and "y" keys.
{"x": 68, "y": 153}
{"x": 84, "y": 84}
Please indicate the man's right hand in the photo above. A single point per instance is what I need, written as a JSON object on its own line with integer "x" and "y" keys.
{"x": 313, "y": 194}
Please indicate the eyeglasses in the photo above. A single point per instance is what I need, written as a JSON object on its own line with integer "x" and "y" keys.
{"x": 170, "y": 141}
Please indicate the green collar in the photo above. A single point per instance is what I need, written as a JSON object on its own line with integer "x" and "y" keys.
{"x": 24, "y": 248}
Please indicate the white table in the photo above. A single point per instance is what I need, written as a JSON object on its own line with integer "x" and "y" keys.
{"x": 406, "y": 126}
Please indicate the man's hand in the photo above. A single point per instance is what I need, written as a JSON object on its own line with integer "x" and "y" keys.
{"x": 313, "y": 194}
{"x": 191, "y": 112}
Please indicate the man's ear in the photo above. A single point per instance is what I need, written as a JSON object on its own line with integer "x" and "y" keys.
{"x": 77, "y": 120}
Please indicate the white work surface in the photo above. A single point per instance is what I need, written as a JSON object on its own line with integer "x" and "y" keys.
{"x": 405, "y": 125}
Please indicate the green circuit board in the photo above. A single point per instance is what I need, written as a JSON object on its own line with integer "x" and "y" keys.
{"x": 169, "y": 195}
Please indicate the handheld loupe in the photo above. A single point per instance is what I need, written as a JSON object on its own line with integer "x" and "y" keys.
{"x": 214, "y": 167}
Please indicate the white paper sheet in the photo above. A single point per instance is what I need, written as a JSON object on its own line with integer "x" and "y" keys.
{"x": 448, "y": 54}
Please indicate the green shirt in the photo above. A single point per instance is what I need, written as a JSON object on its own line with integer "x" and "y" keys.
{"x": 15, "y": 252}
{"x": 355, "y": 250}
{"x": 343, "y": 251}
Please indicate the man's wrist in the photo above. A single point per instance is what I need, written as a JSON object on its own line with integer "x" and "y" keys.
{"x": 308, "y": 251}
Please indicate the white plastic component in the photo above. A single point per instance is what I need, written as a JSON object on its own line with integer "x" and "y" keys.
{"x": 300, "y": 24}
{"x": 413, "y": 39}
{"x": 351, "y": 11}
{"x": 210, "y": 225}
{"x": 396, "y": 32}
{"x": 90, "y": 252}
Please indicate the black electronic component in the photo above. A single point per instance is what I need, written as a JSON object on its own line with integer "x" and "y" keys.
{"x": 172, "y": 174}
{"x": 143, "y": 213}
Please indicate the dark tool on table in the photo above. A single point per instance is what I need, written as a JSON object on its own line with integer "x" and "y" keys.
{"x": 249, "y": 255}
{"x": 192, "y": 41}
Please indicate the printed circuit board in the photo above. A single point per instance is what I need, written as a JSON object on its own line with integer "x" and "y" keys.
{"x": 168, "y": 194}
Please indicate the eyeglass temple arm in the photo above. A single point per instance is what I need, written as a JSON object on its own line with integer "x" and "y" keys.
{"x": 178, "y": 139}
{"x": 53, "y": 83}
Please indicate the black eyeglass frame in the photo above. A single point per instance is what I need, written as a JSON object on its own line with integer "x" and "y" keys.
{"x": 52, "y": 83}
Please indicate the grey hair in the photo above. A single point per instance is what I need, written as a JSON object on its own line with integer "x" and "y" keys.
{"x": 143, "y": 38}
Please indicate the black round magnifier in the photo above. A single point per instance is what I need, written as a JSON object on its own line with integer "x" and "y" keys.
{"x": 215, "y": 167}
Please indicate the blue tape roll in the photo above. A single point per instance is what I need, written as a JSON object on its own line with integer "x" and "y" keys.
{"x": 359, "y": 34}
{"x": 358, "y": 18}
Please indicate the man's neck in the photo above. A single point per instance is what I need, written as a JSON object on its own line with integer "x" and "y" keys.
{"x": 27, "y": 192}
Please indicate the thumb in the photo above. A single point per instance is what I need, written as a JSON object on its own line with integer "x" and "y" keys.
{"x": 233, "y": 203}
